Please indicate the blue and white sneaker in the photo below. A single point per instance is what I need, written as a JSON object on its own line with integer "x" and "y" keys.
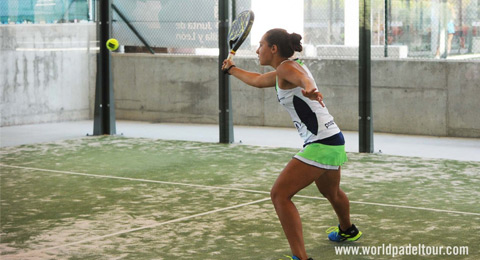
{"x": 337, "y": 235}
{"x": 295, "y": 258}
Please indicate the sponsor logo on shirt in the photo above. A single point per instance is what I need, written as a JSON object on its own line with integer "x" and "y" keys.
{"x": 328, "y": 124}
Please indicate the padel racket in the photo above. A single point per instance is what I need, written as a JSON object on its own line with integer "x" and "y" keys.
{"x": 239, "y": 31}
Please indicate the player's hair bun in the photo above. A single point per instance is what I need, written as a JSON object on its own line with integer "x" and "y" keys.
{"x": 287, "y": 43}
{"x": 295, "y": 39}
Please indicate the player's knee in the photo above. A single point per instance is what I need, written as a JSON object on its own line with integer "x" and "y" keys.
{"x": 273, "y": 195}
{"x": 277, "y": 196}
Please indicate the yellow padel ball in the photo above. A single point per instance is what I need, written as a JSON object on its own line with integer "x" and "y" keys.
{"x": 112, "y": 44}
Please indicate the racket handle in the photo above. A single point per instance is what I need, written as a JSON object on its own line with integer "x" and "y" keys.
{"x": 230, "y": 55}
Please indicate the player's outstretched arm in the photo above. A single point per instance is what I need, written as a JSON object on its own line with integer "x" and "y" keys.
{"x": 253, "y": 79}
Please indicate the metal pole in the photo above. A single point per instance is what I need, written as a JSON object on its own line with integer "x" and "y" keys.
{"x": 386, "y": 29}
{"x": 224, "y": 91}
{"x": 365, "y": 126}
{"x": 104, "y": 115}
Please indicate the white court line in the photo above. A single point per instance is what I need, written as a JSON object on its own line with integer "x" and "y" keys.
{"x": 235, "y": 189}
{"x": 142, "y": 228}
{"x": 399, "y": 206}
{"x": 134, "y": 179}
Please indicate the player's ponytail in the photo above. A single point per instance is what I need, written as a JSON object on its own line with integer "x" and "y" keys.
{"x": 287, "y": 43}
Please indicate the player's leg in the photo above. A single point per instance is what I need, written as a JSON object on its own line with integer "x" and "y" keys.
{"x": 296, "y": 176}
{"x": 329, "y": 185}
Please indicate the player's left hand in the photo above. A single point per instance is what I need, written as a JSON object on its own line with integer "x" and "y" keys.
{"x": 314, "y": 95}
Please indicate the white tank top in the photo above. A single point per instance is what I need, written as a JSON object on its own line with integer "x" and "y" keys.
{"x": 312, "y": 121}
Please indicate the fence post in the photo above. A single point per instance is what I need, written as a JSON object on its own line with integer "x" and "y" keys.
{"x": 224, "y": 91}
{"x": 104, "y": 114}
{"x": 365, "y": 125}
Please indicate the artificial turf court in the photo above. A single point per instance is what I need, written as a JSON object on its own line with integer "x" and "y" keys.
{"x": 132, "y": 198}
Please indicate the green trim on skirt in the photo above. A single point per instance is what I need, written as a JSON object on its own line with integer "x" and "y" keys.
{"x": 323, "y": 155}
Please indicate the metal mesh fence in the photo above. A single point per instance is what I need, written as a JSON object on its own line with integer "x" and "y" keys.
{"x": 186, "y": 27}
{"x": 399, "y": 28}
{"x": 168, "y": 26}
{"x": 429, "y": 29}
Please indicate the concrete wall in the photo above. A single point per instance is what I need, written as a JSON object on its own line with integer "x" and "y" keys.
{"x": 409, "y": 97}
{"x": 46, "y": 72}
